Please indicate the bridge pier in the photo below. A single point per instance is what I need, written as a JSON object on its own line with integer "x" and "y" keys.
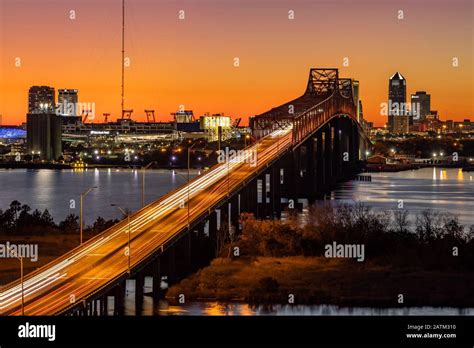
{"x": 170, "y": 265}
{"x": 295, "y": 178}
{"x": 119, "y": 299}
{"x": 103, "y": 305}
{"x": 139, "y": 284}
{"x": 321, "y": 140}
{"x": 213, "y": 234}
{"x": 311, "y": 148}
{"x": 233, "y": 213}
{"x": 337, "y": 153}
{"x": 276, "y": 191}
{"x": 327, "y": 158}
{"x": 94, "y": 307}
{"x": 253, "y": 198}
{"x": 260, "y": 208}
{"x": 156, "y": 274}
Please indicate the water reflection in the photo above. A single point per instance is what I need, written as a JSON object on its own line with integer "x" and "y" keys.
{"x": 53, "y": 189}
{"x": 443, "y": 190}
{"x": 162, "y": 307}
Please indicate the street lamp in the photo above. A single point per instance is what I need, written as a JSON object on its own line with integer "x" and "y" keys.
{"x": 189, "y": 165}
{"x": 189, "y": 208}
{"x": 228, "y": 177}
{"x": 21, "y": 280}
{"x": 143, "y": 181}
{"x": 128, "y": 224}
{"x": 80, "y": 211}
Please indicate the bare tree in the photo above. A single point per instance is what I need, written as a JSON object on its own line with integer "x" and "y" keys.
{"x": 400, "y": 218}
{"x": 428, "y": 225}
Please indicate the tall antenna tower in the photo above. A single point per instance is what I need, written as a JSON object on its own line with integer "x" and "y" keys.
{"x": 123, "y": 55}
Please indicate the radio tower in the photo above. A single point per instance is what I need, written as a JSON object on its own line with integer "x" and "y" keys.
{"x": 123, "y": 55}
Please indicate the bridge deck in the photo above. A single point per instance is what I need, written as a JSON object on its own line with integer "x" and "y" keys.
{"x": 102, "y": 260}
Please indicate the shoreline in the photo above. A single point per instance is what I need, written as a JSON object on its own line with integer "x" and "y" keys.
{"x": 368, "y": 169}
{"x": 322, "y": 281}
{"x": 407, "y": 167}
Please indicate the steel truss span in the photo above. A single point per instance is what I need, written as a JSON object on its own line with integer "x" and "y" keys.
{"x": 96, "y": 267}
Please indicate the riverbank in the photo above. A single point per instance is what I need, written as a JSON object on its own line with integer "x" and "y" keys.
{"x": 379, "y": 168}
{"x": 49, "y": 248}
{"x": 319, "y": 280}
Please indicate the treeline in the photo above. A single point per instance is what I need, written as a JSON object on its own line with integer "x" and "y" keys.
{"x": 19, "y": 219}
{"x": 429, "y": 238}
{"x": 424, "y": 147}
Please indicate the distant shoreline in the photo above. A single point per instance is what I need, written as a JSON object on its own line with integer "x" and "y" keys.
{"x": 61, "y": 166}
{"x": 393, "y": 168}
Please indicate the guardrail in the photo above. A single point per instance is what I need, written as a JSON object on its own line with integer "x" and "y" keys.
{"x": 313, "y": 118}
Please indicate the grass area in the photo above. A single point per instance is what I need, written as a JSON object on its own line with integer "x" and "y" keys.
{"x": 319, "y": 280}
{"x": 49, "y": 248}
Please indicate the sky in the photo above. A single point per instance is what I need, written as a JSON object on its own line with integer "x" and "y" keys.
{"x": 190, "y": 62}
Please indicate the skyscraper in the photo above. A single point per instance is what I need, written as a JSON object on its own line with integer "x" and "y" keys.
{"x": 44, "y": 135}
{"x": 397, "y": 92}
{"x": 41, "y": 99}
{"x": 421, "y": 104}
{"x": 43, "y": 126}
{"x": 67, "y": 102}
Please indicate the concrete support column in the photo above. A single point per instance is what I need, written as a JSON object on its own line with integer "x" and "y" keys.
{"x": 156, "y": 274}
{"x": 119, "y": 299}
{"x": 276, "y": 191}
{"x": 212, "y": 234}
{"x": 139, "y": 283}
{"x": 171, "y": 264}
{"x": 328, "y": 156}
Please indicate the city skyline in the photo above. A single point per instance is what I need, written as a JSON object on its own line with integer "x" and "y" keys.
{"x": 190, "y": 61}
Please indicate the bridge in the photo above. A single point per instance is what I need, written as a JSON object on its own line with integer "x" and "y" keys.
{"x": 303, "y": 148}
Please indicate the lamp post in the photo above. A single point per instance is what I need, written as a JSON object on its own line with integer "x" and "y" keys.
{"x": 188, "y": 179}
{"x": 143, "y": 181}
{"x": 189, "y": 165}
{"x": 81, "y": 208}
{"x": 228, "y": 177}
{"x": 128, "y": 224}
{"x": 21, "y": 280}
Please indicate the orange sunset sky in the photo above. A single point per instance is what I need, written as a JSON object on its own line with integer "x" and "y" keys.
{"x": 190, "y": 62}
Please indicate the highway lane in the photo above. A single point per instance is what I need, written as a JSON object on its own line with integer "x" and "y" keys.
{"x": 79, "y": 273}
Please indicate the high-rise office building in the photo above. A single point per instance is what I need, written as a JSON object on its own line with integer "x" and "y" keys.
{"x": 41, "y": 99}
{"x": 420, "y": 104}
{"x": 67, "y": 102}
{"x": 397, "y": 91}
{"x": 44, "y": 135}
{"x": 401, "y": 124}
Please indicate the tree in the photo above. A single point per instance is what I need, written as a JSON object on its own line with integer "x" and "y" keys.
{"x": 428, "y": 225}
{"x": 15, "y": 208}
{"x": 400, "y": 219}
{"x": 452, "y": 227}
{"x": 47, "y": 219}
{"x": 70, "y": 224}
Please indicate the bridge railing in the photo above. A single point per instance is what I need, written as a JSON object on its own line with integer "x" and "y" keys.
{"x": 307, "y": 122}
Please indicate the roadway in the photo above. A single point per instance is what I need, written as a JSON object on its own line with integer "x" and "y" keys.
{"x": 101, "y": 260}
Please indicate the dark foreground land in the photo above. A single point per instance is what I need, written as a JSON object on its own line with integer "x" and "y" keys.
{"x": 319, "y": 280}
{"x": 49, "y": 248}
{"x": 20, "y": 225}
{"x": 429, "y": 261}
